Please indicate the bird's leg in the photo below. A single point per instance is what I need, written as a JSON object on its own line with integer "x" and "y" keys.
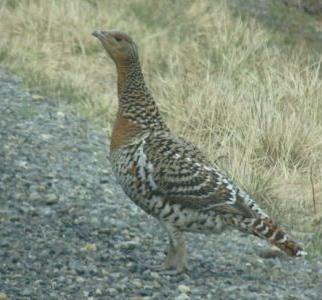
{"x": 175, "y": 261}
{"x": 176, "y": 256}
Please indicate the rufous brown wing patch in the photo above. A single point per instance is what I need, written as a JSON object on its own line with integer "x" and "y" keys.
{"x": 123, "y": 131}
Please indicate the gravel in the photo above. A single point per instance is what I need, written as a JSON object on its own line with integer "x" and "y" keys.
{"x": 67, "y": 231}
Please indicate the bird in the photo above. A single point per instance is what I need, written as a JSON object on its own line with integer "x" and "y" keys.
{"x": 169, "y": 177}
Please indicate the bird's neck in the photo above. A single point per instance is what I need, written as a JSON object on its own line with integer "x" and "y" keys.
{"x": 135, "y": 100}
{"x": 129, "y": 78}
{"x": 122, "y": 77}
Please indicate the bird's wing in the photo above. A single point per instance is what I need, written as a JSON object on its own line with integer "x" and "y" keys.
{"x": 183, "y": 176}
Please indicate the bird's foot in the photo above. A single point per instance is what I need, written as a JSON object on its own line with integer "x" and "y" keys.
{"x": 172, "y": 272}
{"x": 164, "y": 269}
{"x": 174, "y": 264}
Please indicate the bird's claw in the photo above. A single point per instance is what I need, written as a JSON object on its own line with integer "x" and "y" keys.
{"x": 162, "y": 269}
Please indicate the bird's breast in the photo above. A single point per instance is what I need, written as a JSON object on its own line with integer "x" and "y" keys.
{"x": 134, "y": 172}
{"x": 123, "y": 131}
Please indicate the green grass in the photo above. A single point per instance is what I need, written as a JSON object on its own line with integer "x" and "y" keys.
{"x": 27, "y": 111}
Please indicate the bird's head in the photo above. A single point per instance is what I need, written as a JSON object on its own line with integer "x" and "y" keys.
{"x": 120, "y": 47}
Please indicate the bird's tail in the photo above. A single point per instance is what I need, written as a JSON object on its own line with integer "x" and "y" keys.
{"x": 266, "y": 229}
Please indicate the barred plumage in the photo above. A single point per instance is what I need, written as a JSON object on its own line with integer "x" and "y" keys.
{"x": 169, "y": 177}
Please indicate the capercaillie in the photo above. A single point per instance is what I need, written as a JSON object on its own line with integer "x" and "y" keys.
{"x": 168, "y": 177}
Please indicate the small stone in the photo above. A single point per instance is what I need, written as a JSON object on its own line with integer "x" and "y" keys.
{"x": 53, "y": 295}
{"x": 41, "y": 188}
{"x": 145, "y": 292}
{"x": 37, "y": 97}
{"x": 92, "y": 269}
{"x": 77, "y": 267}
{"x": 34, "y": 196}
{"x": 89, "y": 247}
{"x": 46, "y": 137}
{"x": 46, "y": 211}
{"x": 51, "y": 199}
{"x": 26, "y": 292}
{"x": 115, "y": 275}
{"x": 121, "y": 287}
{"x": 94, "y": 220}
{"x": 80, "y": 279}
{"x": 97, "y": 292}
{"x": 112, "y": 290}
{"x": 19, "y": 196}
{"x": 137, "y": 283}
{"x": 27, "y": 208}
{"x": 155, "y": 275}
{"x": 86, "y": 293}
{"x": 130, "y": 244}
{"x": 22, "y": 164}
{"x": 182, "y": 297}
{"x": 183, "y": 289}
{"x": 120, "y": 224}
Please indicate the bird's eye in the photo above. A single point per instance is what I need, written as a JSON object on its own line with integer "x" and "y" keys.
{"x": 118, "y": 38}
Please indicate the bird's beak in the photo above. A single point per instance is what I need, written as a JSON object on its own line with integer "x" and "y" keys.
{"x": 98, "y": 34}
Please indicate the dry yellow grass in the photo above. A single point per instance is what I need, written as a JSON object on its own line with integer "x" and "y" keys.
{"x": 253, "y": 106}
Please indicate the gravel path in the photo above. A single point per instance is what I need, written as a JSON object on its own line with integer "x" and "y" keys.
{"x": 67, "y": 231}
